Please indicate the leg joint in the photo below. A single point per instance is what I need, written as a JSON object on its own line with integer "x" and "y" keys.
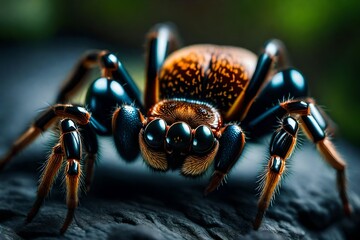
{"x": 275, "y": 164}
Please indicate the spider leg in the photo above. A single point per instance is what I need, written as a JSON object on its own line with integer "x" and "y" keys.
{"x": 281, "y": 146}
{"x": 161, "y": 41}
{"x": 314, "y": 124}
{"x": 69, "y": 147}
{"x": 78, "y": 76}
{"x": 273, "y": 57}
{"x": 111, "y": 67}
{"x": 91, "y": 148}
{"x": 71, "y": 143}
{"x": 48, "y": 176}
{"x": 42, "y": 123}
{"x": 265, "y": 121}
{"x": 231, "y": 144}
{"x": 285, "y": 84}
{"x": 126, "y": 124}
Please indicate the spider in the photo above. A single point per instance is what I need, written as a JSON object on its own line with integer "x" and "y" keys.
{"x": 198, "y": 103}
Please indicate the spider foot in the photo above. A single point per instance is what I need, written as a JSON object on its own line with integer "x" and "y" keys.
{"x": 215, "y": 182}
{"x": 4, "y": 161}
{"x": 69, "y": 217}
{"x": 34, "y": 210}
{"x": 347, "y": 209}
{"x": 258, "y": 219}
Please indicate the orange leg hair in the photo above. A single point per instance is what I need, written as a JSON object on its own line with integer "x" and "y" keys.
{"x": 51, "y": 170}
{"x": 72, "y": 179}
{"x": 314, "y": 124}
{"x": 282, "y": 145}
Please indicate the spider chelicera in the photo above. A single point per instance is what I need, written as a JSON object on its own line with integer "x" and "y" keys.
{"x": 198, "y": 102}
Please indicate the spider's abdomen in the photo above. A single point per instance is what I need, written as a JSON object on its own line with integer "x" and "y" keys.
{"x": 214, "y": 74}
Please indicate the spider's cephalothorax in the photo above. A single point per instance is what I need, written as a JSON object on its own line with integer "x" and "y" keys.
{"x": 181, "y": 133}
{"x": 197, "y": 101}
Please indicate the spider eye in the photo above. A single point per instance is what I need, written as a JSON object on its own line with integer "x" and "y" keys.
{"x": 203, "y": 139}
{"x": 154, "y": 133}
{"x": 178, "y": 138}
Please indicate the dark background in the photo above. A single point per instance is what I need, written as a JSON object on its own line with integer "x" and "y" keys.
{"x": 322, "y": 36}
{"x": 40, "y": 41}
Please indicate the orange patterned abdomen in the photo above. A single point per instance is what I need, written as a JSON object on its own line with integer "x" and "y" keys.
{"x": 215, "y": 74}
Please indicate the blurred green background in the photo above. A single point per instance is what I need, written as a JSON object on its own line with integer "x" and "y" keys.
{"x": 323, "y": 37}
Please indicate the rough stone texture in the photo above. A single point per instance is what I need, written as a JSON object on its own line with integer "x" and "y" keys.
{"x": 127, "y": 201}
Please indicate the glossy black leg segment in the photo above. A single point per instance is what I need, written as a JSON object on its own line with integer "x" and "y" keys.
{"x": 162, "y": 40}
{"x": 286, "y": 84}
{"x": 70, "y": 140}
{"x": 266, "y": 121}
{"x": 69, "y": 148}
{"x": 127, "y": 122}
{"x": 262, "y": 69}
{"x": 231, "y": 144}
{"x": 277, "y": 50}
{"x": 313, "y": 125}
{"x": 42, "y": 123}
{"x": 112, "y": 68}
{"x": 274, "y": 51}
{"x": 282, "y": 145}
{"x": 314, "y": 130}
{"x": 283, "y": 140}
{"x": 319, "y": 116}
{"x": 103, "y": 96}
{"x": 76, "y": 113}
{"x": 72, "y": 148}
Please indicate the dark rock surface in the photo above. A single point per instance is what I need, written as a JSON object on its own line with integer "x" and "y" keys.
{"x": 127, "y": 201}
